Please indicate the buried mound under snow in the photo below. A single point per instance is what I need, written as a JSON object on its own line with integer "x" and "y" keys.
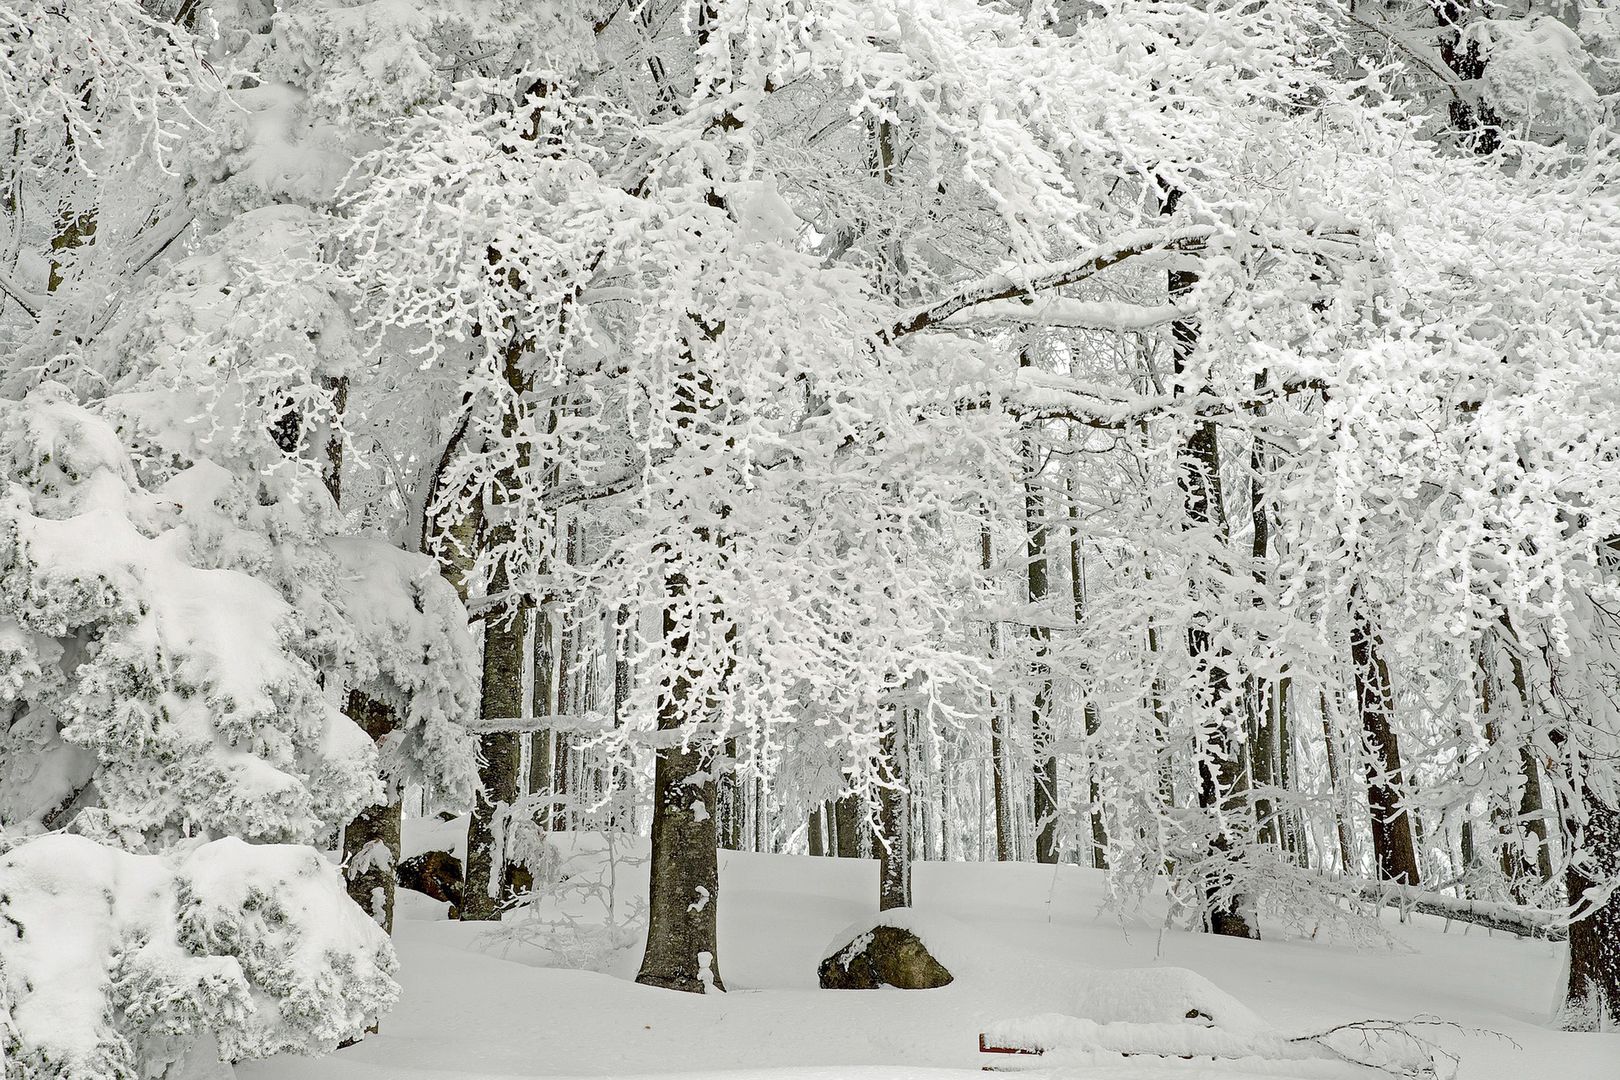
{"x": 1174, "y": 1012}
{"x": 117, "y": 965}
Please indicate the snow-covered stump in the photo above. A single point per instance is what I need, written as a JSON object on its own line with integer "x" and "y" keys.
{"x": 888, "y": 953}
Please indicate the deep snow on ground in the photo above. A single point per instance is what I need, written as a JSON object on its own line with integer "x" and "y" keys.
{"x": 1022, "y": 940}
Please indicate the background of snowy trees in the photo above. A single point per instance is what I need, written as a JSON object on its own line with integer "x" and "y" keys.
{"x": 1174, "y": 437}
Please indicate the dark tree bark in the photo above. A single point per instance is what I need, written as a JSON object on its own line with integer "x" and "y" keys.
{"x": 1393, "y": 847}
{"x": 894, "y": 845}
{"x": 1045, "y": 766}
{"x": 1220, "y": 769}
{"x": 1592, "y": 992}
{"x": 846, "y": 818}
{"x": 1341, "y": 826}
{"x": 371, "y": 840}
{"x": 998, "y": 730}
{"x": 1077, "y": 587}
{"x": 1471, "y": 116}
{"x": 1265, "y": 743}
{"x": 1532, "y": 816}
{"x": 488, "y": 878}
{"x": 488, "y": 875}
{"x": 684, "y": 895}
{"x": 729, "y": 829}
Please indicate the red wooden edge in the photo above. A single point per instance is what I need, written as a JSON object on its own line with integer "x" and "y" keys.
{"x": 986, "y": 1048}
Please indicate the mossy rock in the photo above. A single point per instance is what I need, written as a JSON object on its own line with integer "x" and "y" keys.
{"x": 883, "y": 956}
{"x": 433, "y": 873}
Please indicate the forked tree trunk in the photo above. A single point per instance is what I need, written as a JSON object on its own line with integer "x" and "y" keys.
{"x": 371, "y": 840}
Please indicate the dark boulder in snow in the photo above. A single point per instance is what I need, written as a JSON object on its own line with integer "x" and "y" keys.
{"x": 435, "y": 873}
{"x": 883, "y": 956}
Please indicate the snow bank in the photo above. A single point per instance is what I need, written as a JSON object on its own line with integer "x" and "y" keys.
{"x": 114, "y": 965}
{"x": 1165, "y": 995}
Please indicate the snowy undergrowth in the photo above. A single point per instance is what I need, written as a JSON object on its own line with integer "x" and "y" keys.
{"x": 1025, "y": 941}
{"x": 114, "y": 966}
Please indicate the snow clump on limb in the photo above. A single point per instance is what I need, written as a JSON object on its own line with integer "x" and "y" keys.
{"x": 115, "y": 966}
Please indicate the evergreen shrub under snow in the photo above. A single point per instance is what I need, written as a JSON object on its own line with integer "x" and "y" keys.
{"x": 117, "y": 966}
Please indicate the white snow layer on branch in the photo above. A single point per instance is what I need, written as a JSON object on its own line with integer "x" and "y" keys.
{"x": 1064, "y": 311}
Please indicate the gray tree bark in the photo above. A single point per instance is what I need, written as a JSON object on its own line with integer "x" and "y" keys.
{"x": 1394, "y": 851}
{"x": 684, "y": 895}
{"x": 894, "y": 845}
{"x": 1220, "y": 765}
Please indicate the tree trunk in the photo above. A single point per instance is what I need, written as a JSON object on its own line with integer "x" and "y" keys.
{"x": 1045, "y": 765}
{"x": 894, "y": 845}
{"x": 847, "y": 826}
{"x": 487, "y": 884}
{"x": 1592, "y": 993}
{"x": 371, "y": 840}
{"x": 1093, "y": 722}
{"x": 1341, "y": 826}
{"x": 998, "y": 728}
{"x": 1219, "y": 764}
{"x": 489, "y": 877}
{"x": 684, "y": 893}
{"x": 1532, "y": 817}
{"x": 1265, "y": 750}
{"x": 730, "y": 831}
{"x": 1393, "y": 847}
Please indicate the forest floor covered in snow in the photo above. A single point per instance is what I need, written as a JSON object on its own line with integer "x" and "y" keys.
{"x": 1022, "y": 940}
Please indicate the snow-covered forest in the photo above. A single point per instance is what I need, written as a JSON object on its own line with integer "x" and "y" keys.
{"x": 809, "y": 538}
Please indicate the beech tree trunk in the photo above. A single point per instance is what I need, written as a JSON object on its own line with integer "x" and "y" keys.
{"x": 488, "y": 880}
{"x": 684, "y": 895}
{"x": 371, "y": 840}
{"x": 1393, "y": 849}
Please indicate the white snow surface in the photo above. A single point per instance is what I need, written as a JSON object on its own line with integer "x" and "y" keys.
{"x": 1024, "y": 940}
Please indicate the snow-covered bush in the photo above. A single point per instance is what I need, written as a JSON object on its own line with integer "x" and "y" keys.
{"x": 115, "y": 966}
{"x": 164, "y": 696}
{"x": 412, "y": 652}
